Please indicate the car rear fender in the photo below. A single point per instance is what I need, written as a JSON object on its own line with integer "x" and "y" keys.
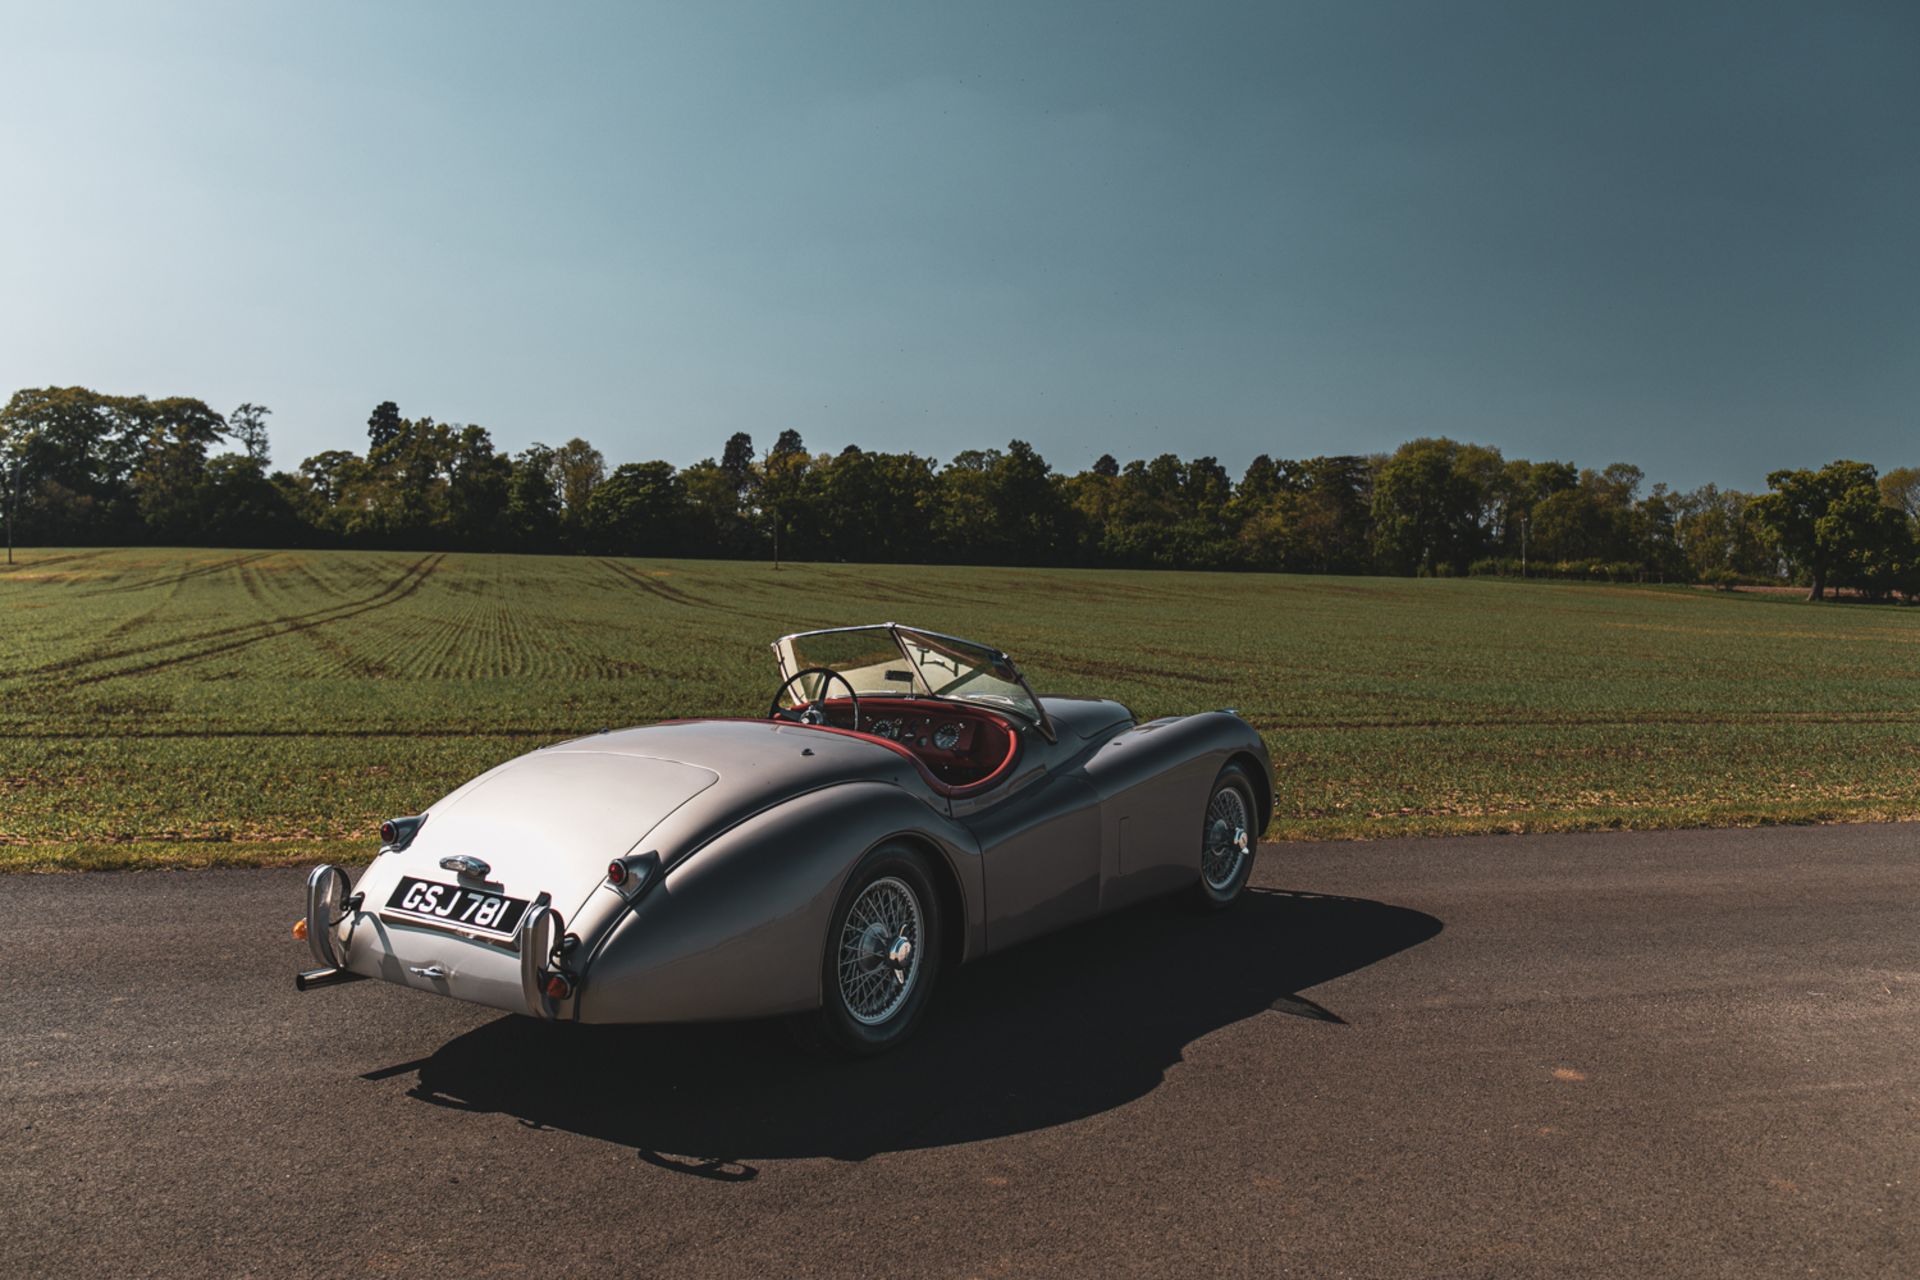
{"x": 736, "y": 929}
{"x": 1153, "y": 780}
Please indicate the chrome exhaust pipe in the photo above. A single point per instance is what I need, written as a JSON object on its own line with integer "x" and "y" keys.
{"x": 324, "y": 978}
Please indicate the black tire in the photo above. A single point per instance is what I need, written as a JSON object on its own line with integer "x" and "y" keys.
{"x": 839, "y": 1025}
{"x": 1221, "y": 882}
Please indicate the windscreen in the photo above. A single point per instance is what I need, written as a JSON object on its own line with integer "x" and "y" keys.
{"x": 869, "y": 657}
{"x": 892, "y": 660}
{"x": 959, "y": 669}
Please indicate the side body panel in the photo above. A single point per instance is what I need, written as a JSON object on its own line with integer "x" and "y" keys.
{"x": 1153, "y": 781}
{"x": 737, "y": 929}
{"x": 1107, "y": 815}
{"x": 1040, "y": 853}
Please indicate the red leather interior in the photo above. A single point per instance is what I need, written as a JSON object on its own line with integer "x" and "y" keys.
{"x": 984, "y": 753}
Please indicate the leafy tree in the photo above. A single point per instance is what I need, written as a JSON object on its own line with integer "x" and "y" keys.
{"x": 97, "y": 467}
{"x": 1090, "y": 502}
{"x": 717, "y": 520}
{"x": 874, "y": 506}
{"x": 1429, "y": 502}
{"x": 1523, "y": 486}
{"x": 1001, "y": 507}
{"x": 1170, "y": 513}
{"x": 1028, "y": 505}
{"x": 175, "y": 435}
{"x": 383, "y": 425}
{"x": 238, "y": 505}
{"x": 533, "y": 504}
{"x": 75, "y": 451}
{"x": 639, "y": 510}
{"x": 736, "y": 460}
{"x": 1332, "y": 509}
{"x": 578, "y": 468}
{"x": 1600, "y": 519}
{"x": 329, "y": 476}
{"x": 1900, "y": 489}
{"x": 1808, "y": 514}
{"x": 479, "y": 488}
{"x": 1655, "y": 531}
{"x": 412, "y": 467}
{"x": 1869, "y": 544}
{"x": 779, "y": 490}
{"x": 247, "y": 424}
{"x": 1719, "y": 542}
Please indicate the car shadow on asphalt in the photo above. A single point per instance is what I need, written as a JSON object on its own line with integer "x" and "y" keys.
{"x": 1050, "y": 1032}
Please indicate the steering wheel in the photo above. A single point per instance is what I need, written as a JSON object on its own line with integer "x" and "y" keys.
{"x": 813, "y": 712}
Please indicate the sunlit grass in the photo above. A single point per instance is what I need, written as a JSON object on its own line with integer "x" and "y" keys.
{"x": 192, "y": 707}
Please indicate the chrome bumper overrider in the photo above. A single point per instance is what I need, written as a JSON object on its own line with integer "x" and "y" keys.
{"x": 538, "y": 942}
{"x": 327, "y": 887}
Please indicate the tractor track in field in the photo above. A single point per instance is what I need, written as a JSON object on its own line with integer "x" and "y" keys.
{"x": 652, "y": 587}
{"x": 18, "y": 565}
{"x": 267, "y": 625}
{"x": 409, "y": 582}
{"x": 673, "y": 595}
{"x": 202, "y": 571}
{"x": 893, "y": 590}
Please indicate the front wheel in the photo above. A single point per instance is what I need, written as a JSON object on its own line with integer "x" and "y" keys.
{"x": 882, "y": 955}
{"x": 1227, "y": 839}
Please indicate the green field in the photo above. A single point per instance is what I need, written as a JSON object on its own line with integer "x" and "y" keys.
{"x": 189, "y": 707}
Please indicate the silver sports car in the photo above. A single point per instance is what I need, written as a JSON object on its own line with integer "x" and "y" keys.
{"x": 905, "y": 804}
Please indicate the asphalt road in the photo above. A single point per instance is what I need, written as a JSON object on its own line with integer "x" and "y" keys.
{"x": 1673, "y": 1054}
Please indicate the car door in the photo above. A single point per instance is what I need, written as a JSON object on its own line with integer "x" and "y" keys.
{"x": 1040, "y": 847}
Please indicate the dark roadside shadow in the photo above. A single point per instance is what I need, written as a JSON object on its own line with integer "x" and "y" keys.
{"x": 1053, "y": 1031}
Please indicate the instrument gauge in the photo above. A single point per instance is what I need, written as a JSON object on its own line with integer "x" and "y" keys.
{"x": 884, "y": 729}
{"x": 947, "y": 737}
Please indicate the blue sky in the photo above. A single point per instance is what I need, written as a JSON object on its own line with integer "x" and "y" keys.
{"x": 1681, "y": 235}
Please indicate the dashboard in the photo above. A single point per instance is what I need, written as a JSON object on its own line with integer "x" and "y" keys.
{"x": 939, "y": 732}
{"x": 959, "y": 745}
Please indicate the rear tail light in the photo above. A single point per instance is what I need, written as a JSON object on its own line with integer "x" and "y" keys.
{"x": 558, "y": 988}
{"x": 398, "y": 833}
{"x": 634, "y": 872}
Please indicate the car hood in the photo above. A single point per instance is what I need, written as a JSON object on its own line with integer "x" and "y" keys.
{"x": 551, "y": 820}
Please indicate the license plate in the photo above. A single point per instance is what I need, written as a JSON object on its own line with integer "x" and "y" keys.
{"x": 456, "y": 905}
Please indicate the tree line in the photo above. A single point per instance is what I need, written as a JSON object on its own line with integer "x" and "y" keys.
{"x": 82, "y": 467}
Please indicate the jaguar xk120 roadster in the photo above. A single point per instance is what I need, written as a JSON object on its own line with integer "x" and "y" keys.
{"x": 906, "y": 804}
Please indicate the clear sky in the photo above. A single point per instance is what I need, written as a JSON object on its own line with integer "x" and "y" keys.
{"x": 1685, "y": 235}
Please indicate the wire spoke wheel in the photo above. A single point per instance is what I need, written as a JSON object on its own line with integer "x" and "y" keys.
{"x": 879, "y": 956}
{"x": 1224, "y": 847}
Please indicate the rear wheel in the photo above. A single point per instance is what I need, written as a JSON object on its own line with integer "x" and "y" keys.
{"x": 882, "y": 955}
{"x": 1227, "y": 838}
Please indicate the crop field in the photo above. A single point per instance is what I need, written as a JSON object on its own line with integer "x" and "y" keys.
{"x": 196, "y": 707}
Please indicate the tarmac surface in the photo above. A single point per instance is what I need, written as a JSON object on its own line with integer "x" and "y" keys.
{"x": 1645, "y": 1054}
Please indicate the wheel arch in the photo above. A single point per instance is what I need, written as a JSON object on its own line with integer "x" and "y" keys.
{"x": 946, "y": 887}
{"x": 1256, "y": 769}
{"x": 724, "y": 932}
